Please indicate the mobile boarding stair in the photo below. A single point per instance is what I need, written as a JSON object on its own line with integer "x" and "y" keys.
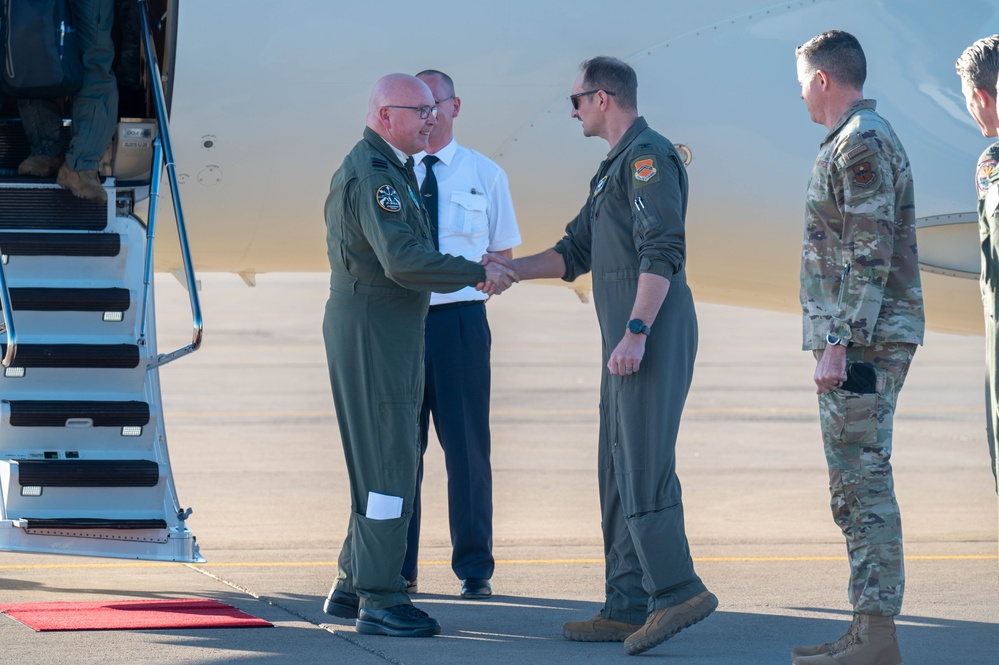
{"x": 84, "y": 467}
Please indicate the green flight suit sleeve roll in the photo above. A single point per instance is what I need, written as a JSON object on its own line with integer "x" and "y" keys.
{"x": 657, "y": 208}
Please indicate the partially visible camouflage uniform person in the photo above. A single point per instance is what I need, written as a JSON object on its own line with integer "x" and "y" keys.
{"x": 860, "y": 283}
{"x": 987, "y": 183}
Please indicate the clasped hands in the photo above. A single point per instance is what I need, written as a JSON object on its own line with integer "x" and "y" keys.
{"x": 500, "y": 274}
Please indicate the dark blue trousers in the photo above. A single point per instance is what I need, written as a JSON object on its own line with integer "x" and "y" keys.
{"x": 456, "y": 393}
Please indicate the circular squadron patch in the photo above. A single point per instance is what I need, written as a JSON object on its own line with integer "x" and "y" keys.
{"x": 388, "y": 198}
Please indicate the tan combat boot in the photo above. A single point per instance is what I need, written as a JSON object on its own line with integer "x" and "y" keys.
{"x": 598, "y": 629}
{"x": 82, "y": 184}
{"x": 872, "y": 642}
{"x": 666, "y": 622}
{"x": 39, "y": 166}
{"x": 835, "y": 645}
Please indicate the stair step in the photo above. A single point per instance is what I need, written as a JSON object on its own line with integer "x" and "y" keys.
{"x": 81, "y": 523}
{"x": 60, "y": 244}
{"x": 88, "y": 473}
{"x": 111, "y": 356}
{"x": 14, "y": 146}
{"x": 55, "y": 413}
{"x": 47, "y": 299}
{"x": 44, "y": 208}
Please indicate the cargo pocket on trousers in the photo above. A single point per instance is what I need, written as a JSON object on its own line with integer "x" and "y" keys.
{"x": 859, "y": 418}
{"x": 398, "y": 443}
{"x": 378, "y": 549}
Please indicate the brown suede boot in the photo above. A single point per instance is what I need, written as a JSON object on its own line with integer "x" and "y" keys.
{"x": 39, "y": 166}
{"x": 82, "y": 184}
{"x": 666, "y": 622}
{"x": 835, "y": 645}
{"x": 598, "y": 629}
{"x": 872, "y": 642}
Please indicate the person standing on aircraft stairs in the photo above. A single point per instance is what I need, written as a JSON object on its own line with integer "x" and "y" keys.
{"x": 978, "y": 68}
{"x": 94, "y": 114}
{"x": 862, "y": 316}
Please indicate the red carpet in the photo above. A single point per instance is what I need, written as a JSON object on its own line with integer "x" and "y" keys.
{"x": 132, "y": 615}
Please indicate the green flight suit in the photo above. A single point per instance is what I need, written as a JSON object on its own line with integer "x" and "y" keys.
{"x": 383, "y": 267}
{"x": 633, "y": 223}
{"x": 987, "y": 182}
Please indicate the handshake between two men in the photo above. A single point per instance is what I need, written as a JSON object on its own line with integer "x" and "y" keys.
{"x": 500, "y": 274}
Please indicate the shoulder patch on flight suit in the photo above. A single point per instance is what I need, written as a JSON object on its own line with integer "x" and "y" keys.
{"x": 388, "y": 199}
{"x": 379, "y": 164}
{"x": 600, "y": 186}
{"x": 985, "y": 169}
{"x": 644, "y": 170}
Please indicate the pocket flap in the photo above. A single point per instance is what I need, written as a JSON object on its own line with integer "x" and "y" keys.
{"x": 469, "y": 201}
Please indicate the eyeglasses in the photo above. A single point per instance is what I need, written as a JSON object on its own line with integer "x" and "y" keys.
{"x": 575, "y": 98}
{"x": 438, "y": 101}
{"x": 425, "y": 111}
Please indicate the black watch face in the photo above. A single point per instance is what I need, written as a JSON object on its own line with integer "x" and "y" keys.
{"x": 635, "y": 326}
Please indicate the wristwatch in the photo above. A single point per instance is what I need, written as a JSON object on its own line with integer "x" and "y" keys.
{"x": 638, "y": 327}
{"x": 833, "y": 340}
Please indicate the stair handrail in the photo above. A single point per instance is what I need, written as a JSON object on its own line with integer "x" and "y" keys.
{"x": 8, "y": 318}
{"x": 163, "y": 154}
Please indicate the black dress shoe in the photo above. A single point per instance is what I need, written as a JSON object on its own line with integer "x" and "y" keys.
{"x": 397, "y": 621}
{"x": 341, "y": 604}
{"x": 476, "y": 587}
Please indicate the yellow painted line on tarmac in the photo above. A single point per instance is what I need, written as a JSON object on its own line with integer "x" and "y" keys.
{"x": 504, "y": 562}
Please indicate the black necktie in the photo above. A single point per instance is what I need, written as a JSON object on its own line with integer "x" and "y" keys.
{"x": 429, "y": 192}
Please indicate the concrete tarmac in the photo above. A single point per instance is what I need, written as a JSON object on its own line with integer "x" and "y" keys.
{"x": 255, "y": 452}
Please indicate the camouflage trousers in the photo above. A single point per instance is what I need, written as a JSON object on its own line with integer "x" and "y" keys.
{"x": 856, "y": 432}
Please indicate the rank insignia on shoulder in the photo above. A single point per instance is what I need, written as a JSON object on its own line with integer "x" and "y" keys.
{"x": 388, "y": 199}
{"x": 985, "y": 170}
{"x": 645, "y": 169}
{"x": 863, "y": 175}
{"x": 600, "y": 186}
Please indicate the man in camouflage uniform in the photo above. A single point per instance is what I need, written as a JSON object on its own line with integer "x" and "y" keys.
{"x": 383, "y": 266}
{"x": 862, "y": 303}
{"x": 978, "y": 68}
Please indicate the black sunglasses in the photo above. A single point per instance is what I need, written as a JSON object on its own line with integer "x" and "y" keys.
{"x": 575, "y": 98}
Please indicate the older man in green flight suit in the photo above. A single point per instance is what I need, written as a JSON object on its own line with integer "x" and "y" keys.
{"x": 383, "y": 268}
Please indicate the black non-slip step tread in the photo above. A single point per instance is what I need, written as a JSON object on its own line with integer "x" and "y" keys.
{"x": 110, "y": 356}
{"x": 55, "y": 413}
{"x": 13, "y": 243}
{"x": 56, "y": 209}
{"x": 88, "y": 473}
{"x": 55, "y": 299}
{"x": 82, "y": 523}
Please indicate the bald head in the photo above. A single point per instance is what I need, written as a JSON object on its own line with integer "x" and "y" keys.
{"x": 401, "y": 127}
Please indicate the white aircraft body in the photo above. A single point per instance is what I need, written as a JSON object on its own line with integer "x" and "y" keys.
{"x": 259, "y": 131}
{"x": 264, "y": 101}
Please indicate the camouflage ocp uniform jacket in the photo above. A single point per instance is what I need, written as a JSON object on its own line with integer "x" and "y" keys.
{"x": 859, "y": 264}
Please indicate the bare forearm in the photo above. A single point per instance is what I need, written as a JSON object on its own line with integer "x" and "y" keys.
{"x": 652, "y": 290}
{"x": 547, "y": 264}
